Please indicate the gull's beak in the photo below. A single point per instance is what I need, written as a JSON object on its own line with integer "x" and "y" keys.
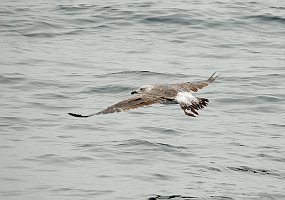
{"x": 134, "y": 92}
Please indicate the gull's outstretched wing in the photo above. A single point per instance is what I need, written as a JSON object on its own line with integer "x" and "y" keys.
{"x": 131, "y": 103}
{"x": 195, "y": 86}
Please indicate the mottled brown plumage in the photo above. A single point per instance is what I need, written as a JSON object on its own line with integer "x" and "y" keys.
{"x": 132, "y": 103}
{"x": 173, "y": 93}
{"x": 195, "y": 86}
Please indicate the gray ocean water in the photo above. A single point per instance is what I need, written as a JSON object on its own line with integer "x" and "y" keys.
{"x": 82, "y": 56}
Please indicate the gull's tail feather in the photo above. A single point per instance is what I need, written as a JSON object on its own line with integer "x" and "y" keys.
{"x": 78, "y": 115}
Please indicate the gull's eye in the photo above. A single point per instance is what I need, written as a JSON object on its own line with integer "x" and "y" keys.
{"x": 141, "y": 89}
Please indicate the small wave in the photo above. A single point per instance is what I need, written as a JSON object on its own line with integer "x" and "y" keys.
{"x": 114, "y": 89}
{"x": 177, "y": 19}
{"x": 50, "y": 106}
{"x": 269, "y": 98}
{"x": 7, "y": 12}
{"x": 45, "y": 84}
{"x": 141, "y": 4}
{"x": 140, "y": 73}
{"x": 41, "y": 25}
{"x": 79, "y": 191}
{"x": 271, "y": 157}
{"x": 52, "y": 96}
{"x": 48, "y": 29}
{"x": 181, "y": 197}
{"x": 81, "y": 21}
{"x": 252, "y": 170}
{"x": 268, "y": 18}
{"x": 173, "y": 197}
{"x": 255, "y": 101}
{"x": 56, "y": 159}
{"x": 160, "y": 130}
{"x": 49, "y": 158}
{"x": 12, "y": 119}
{"x": 11, "y": 80}
{"x": 50, "y": 35}
{"x": 277, "y": 125}
{"x": 11, "y": 193}
{"x": 278, "y": 7}
{"x": 70, "y": 8}
{"x": 138, "y": 142}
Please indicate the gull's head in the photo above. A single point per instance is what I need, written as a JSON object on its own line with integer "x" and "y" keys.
{"x": 143, "y": 89}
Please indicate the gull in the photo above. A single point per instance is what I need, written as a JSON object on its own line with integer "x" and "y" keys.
{"x": 179, "y": 93}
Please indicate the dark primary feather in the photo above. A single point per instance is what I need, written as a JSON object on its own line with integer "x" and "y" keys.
{"x": 78, "y": 115}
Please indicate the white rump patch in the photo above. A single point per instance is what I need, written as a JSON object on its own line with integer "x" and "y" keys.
{"x": 185, "y": 97}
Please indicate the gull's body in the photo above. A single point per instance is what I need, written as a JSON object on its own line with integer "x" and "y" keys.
{"x": 173, "y": 93}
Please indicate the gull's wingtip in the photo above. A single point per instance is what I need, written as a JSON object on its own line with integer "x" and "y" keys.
{"x": 77, "y": 115}
{"x": 213, "y": 77}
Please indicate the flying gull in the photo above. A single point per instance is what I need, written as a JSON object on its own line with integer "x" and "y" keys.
{"x": 180, "y": 93}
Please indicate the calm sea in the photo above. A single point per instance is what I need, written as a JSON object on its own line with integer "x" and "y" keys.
{"x": 82, "y": 56}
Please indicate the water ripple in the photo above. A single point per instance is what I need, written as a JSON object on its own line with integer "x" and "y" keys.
{"x": 255, "y": 171}
{"x": 181, "y": 197}
{"x": 269, "y": 18}
{"x": 62, "y": 56}
{"x": 145, "y": 143}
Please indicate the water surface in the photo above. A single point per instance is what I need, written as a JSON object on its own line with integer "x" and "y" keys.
{"x": 82, "y": 56}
